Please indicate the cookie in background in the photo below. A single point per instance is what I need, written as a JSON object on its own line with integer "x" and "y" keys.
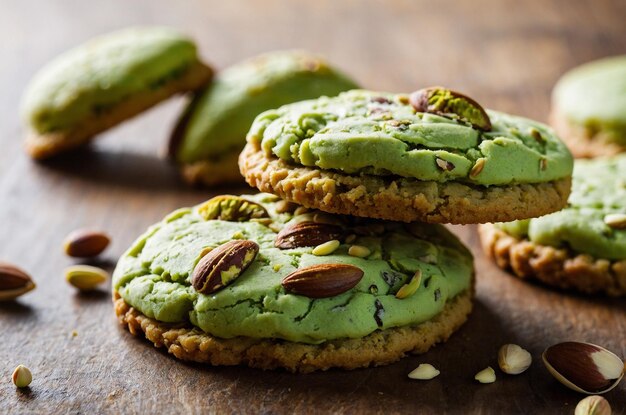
{"x": 105, "y": 81}
{"x": 589, "y": 108}
{"x": 210, "y": 134}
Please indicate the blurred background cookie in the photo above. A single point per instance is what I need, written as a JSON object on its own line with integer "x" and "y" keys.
{"x": 211, "y": 133}
{"x": 582, "y": 247}
{"x": 589, "y": 108}
{"x": 105, "y": 81}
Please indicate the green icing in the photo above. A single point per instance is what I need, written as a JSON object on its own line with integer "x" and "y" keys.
{"x": 594, "y": 96}
{"x": 381, "y": 134}
{"x": 218, "y": 118}
{"x": 154, "y": 276}
{"x": 92, "y": 77}
{"x": 598, "y": 189}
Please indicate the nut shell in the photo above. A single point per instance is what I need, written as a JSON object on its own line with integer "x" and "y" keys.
{"x": 322, "y": 280}
{"x": 13, "y": 282}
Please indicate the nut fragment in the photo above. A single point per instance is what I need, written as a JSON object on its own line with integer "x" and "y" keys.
{"x": 359, "y": 251}
{"x": 22, "y": 376}
{"x": 584, "y": 367}
{"x": 536, "y": 134}
{"x": 223, "y": 265}
{"x": 301, "y": 234}
{"x": 231, "y": 208}
{"x": 487, "y": 375}
{"x": 593, "y": 405}
{"x": 513, "y": 359}
{"x": 424, "y": 371}
{"x": 616, "y": 220}
{"x": 543, "y": 164}
{"x": 477, "y": 168}
{"x": 85, "y": 277}
{"x": 13, "y": 282}
{"x": 326, "y": 248}
{"x": 451, "y": 104}
{"x": 85, "y": 243}
{"x": 444, "y": 164}
{"x": 409, "y": 288}
{"x": 322, "y": 280}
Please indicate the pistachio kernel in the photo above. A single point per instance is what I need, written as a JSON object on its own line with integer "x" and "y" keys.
{"x": 85, "y": 277}
{"x": 22, "y": 376}
{"x": 410, "y": 287}
{"x": 231, "y": 208}
{"x": 326, "y": 248}
{"x": 477, "y": 168}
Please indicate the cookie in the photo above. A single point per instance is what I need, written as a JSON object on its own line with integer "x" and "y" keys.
{"x": 379, "y": 155}
{"x": 582, "y": 247}
{"x": 211, "y": 132}
{"x": 589, "y": 108}
{"x": 105, "y": 81}
{"x": 251, "y": 281}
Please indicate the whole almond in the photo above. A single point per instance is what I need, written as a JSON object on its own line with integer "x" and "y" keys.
{"x": 223, "y": 265}
{"x": 13, "y": 282}
{"x": 322, "y": 280}
{"x": 85, "y": 243}
{"x": 301, "y": 234}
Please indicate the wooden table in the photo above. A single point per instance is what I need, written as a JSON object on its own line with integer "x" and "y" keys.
{"x": 506, "y": 54}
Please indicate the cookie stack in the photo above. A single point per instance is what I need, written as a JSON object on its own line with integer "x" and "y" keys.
{"x": 342, "y": 262}
{"x": 582, "y": 247}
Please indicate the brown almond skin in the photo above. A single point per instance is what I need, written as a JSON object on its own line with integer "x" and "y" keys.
{"x": 572, "y": 360}
{"x": 13, "y": 282}
{"x": 323, "y": 280}
{"x": 207, "y": 277}
{"x": 298, "y": 235}
{"x": 420, "y": 101}
{"x": 85, "y": 243}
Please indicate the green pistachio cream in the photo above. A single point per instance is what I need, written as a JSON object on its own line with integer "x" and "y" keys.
{"x": 383, "y": 134}
{"x": 217, "y": 120}
{"x": 155, "y": 274}
{"x": 587, "y": 225}
{"x": 594, "y": 96}
{"x": 101, "y": 73}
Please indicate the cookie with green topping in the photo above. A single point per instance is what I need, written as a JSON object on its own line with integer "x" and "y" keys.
{"x": 582, "y": 247}
{"x": 105, "y": 81}
{"x": 434, "y": 156}
{"x": 212, "y": 131}
{"x": 589, "y": 108}
{"x": 258, "y": 281}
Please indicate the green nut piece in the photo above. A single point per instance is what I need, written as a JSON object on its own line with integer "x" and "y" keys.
{"x": 85, "y": 277}
{"x": 231, "y": 208}
{"x": 410, "y": 287}
{"x": 450, "y": 104}
{"x": 22, "y": 376}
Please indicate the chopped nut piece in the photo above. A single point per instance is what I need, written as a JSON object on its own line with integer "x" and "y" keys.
{"x": 424, "y": 371}
{"x": 513, "y": 360}
{"x": 487, "y": 375}
{"x": 22, "y": 376}
{"x": 359, "y": 251}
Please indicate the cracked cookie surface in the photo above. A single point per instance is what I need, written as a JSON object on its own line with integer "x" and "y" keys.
{"x": 153, "y": 277}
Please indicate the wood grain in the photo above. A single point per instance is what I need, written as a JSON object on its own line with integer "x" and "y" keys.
{"x": 506, "y": 54}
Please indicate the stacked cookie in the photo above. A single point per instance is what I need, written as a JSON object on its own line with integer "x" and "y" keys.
{"x": 116, "y": 76}
{"x": 337, "y": 265}
{"x": 582, "y": 247}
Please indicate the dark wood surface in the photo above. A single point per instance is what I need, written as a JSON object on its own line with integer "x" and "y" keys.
{"x": 506, "y": 54}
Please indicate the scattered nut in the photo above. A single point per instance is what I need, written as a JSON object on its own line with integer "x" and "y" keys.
{"x": 326, "y": 248}
{"x": 322, "y": 280}
{"x": 13, "y": 282}
{"x": 584, "y": 367}
{"x": 223, "y": 265}
{"x": 359, "y": 251}
{"x": 302, "y": 234}
{"x": 513, "y": 360}
{"x": 593, "y": 405}
{"x": 616, "y": 220}
{"x": 409, "y": 288}
{"x": 487, "y": 375}
{"x": 451, "y": 104}
{"x": 22, "y": 376}
{"x": 85, "y": 243}
{"x": 444, "y": 164}
{"x": 424, "y": 371}
{"x": 85, "y": 277}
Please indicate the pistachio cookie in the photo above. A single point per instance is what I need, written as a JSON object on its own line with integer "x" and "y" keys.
{"x": 105, "y": 81}
{"x": 589, "y": 108}
{"x": 582, "y": 247}
{"x": 257, "y": 281}
{"x": 433, "y": 156}
{"x": 212, "y": 131}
